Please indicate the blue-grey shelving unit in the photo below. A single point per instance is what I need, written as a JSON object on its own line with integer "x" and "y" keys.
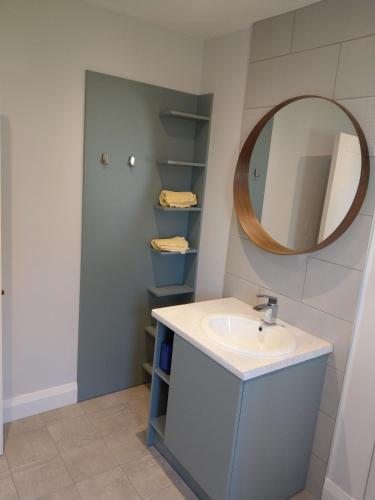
{"x": 175, "y": 273}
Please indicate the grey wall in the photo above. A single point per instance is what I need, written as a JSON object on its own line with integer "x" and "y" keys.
{"x": 327, "y": 48}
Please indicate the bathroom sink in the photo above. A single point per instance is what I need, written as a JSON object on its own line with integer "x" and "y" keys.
{"x": 246, "y": 335}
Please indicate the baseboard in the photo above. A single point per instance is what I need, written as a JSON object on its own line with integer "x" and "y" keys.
{"x": 333, "y": 492}
{"x": 32, "y": 403}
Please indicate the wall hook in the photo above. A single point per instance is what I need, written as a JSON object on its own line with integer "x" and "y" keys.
{"x": 131, "y": 161}
{"x": 104, "y": 159}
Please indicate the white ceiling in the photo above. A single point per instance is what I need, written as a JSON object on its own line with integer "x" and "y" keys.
{"x": 202, "y": 18}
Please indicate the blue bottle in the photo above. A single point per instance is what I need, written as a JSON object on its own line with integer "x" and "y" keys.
{"x": 166, "y": 356}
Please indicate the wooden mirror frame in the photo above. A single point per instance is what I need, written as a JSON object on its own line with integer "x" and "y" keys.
{"x": 242, "y": 202}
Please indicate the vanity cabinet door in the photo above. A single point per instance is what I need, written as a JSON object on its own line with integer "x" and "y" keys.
{"x": 202, "y": 417}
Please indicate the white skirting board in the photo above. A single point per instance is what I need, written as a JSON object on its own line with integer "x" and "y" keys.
{"x": 333, "y": 492}
{"x": 32, "y": 403}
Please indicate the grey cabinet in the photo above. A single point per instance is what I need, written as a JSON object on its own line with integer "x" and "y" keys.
{"x": 234, "y": 439}
{"x": 202, "y": 417}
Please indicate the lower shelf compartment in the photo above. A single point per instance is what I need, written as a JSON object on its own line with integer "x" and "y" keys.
{"x": 165, "y": 291}
{"x": 147, "y": 368}
{"x": 151, "y": 330}
{"x": 164, "y": 376}
{"x": 158, "y": 423}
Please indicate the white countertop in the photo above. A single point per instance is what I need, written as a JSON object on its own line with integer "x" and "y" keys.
{"x": 185, "y": 321}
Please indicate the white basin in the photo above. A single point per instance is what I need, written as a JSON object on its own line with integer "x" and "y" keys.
{"x": 243, "y": 334}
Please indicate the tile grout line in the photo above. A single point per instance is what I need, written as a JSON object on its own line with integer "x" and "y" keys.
{"x": 293, "y": 31}
{"x": 293, "y": 298}
{"x": 337, "y": 71}
{"x": 357, "y": 98}
{"x": 304, "y": 278}
{"x": 328, "y": 415}
{"x": 338, "y": 42}
{"x": 244, "y": 238}
{"x": 320, "y": 459}
{"x": 335, "y": 263}
{"x": 12, "y": 477}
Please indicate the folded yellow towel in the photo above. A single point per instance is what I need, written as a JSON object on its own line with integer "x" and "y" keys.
{"x": 178, "y": 199}
{"x": 176, "y": 244}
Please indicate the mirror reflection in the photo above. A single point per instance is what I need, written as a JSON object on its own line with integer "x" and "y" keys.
{"x": 304, "y": 172}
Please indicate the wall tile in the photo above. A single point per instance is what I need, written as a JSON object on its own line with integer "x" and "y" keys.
{"x": 332, "y": 288}
{"x": 363, "y": 110}
{"x": 323, "y": 325}
{"x": 368, "y": 206}
{"x": 272, "y": 37}
{"x": 356, "y": 72}
{"x": 323, "y": 436}
{"x": 351, "y": 248}
{"x": 273, "y": 80}
{"x": 250, "y": 118}
{"x": 240, "y": 288}
{"x": 333, "y": 21}
{"x": 331, "y": 393}
{"x": 326, "y": 307}
{"x": 285, "y": 273}
{"x": 316, "y": 476}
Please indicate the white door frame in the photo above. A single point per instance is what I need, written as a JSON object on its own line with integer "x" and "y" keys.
{"x": 1, "y": 287}
{"x": 354, "y": 438}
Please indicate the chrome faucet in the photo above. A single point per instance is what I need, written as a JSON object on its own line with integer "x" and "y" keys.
{"x": 270, "y": 309}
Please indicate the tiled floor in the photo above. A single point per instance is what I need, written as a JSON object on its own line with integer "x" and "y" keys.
{"x": 93, "y": 450}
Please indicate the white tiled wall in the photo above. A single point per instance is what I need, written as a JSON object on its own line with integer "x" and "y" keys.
{"x": 327, "y": 48}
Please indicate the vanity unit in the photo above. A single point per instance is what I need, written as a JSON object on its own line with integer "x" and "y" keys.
{"x": 235, "y": 425}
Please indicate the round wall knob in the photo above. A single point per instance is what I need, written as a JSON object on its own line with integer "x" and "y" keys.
{"x": 131, "y": 161}
{"x": 104, "y": 159}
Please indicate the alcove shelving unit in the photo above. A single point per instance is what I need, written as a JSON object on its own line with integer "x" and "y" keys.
{"x": 181, "y": 168}
{"x": 159, "y": 400}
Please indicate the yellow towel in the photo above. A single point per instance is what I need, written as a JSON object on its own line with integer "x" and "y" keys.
{"x": 176, "y": 244}
{"x": 178, "y": 199}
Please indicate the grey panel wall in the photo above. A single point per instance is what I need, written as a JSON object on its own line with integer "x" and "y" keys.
{"x": 119, "y": 220}
{"x": 326, "y": 48}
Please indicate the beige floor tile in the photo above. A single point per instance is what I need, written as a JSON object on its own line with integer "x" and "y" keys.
{"x": 303, "y": 495}
{"x": 114, "y": 420}
{"x": 110, "y": 485}
{"x": 149, "y": 475}
{"x": 3, "y": 464}
{"x": 71, "y": 433}
{"x": 40, "y": 478}
{"x": 27, "y": 447}
{"x": 138, "y": 393}
{"x": 174, "y": 492}
{"x": 23, "y": 425}
{"x": 100, "y": 403}
{"x": 137, "y": 399}
{"x": 127, "y": 446}
{"x": 64, "y": 413}
{"x": 7, "y": 488}
{"x": 88, "y": 460}
{"x": 69, "y": 493}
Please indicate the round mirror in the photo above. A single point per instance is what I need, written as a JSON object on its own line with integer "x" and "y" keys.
{"x": 301, "y": 176}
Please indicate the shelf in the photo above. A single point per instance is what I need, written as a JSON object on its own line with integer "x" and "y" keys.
{"x": 147, "y": 368}
{"x": 151, "y": 330}
{"x": 181, "y": 114}
{"x": 164, "y": 376}
{"x": 166, "y": 291}
{"x": 158, "y": 423}
{"x": 175, "y": 209}
{"x": 164, "y": 254}
{"x": 181, "y": 163}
